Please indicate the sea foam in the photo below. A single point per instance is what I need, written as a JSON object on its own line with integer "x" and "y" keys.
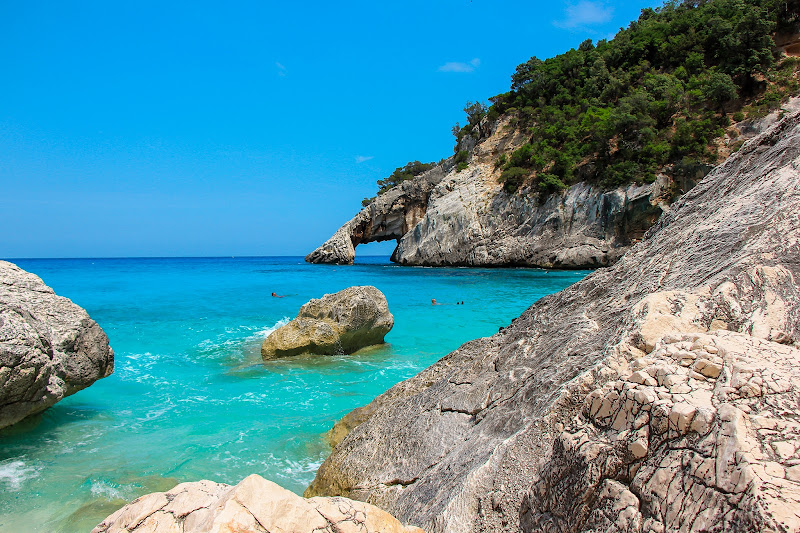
{"x": 14, "y": 472}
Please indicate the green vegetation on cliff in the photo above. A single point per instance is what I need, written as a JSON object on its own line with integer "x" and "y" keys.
{"x": 400, "y": 174}
{"x": 658, "y": 94}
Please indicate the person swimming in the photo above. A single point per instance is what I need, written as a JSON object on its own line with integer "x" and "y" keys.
{"x": 278, "y": 295}
{"x": 433, "y": 302}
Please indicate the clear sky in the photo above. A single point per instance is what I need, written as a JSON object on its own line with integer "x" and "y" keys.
{"x": 241, "y": 128}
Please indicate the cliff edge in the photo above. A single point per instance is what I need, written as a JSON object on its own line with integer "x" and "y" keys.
{"x": 660, "y": 394}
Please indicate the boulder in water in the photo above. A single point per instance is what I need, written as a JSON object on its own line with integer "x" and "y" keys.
{"x": 341, "y": 322}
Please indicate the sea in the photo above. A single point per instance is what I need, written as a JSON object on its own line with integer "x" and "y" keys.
{"x": 191, "y": 398}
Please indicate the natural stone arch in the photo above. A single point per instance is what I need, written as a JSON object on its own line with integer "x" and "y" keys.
{"x": 389, "y": 217}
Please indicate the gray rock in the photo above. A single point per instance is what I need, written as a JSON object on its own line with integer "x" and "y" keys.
{"x": 471, "y": 221}
{"x": 49, "y": 347}
{"x": 389, "y": 217}
{"x": 338, "y": 323}
{"x": 505, "y": 433}
{"x": 255, "y": 505}
{"x": 447, "y": 217}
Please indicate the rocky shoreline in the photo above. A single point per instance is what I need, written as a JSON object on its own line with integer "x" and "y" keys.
{"x": 653, "y": 395}
{"x": 659, "y": 394}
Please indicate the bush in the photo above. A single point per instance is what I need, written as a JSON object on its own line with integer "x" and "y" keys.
{"x": 550, "y": 183}
{"x": 512, "y": 178}
{"x": 656, "y": 93}
{"x": 401, "y": 174}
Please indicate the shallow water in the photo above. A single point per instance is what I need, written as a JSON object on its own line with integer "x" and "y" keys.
{"x": 190, "y": 397}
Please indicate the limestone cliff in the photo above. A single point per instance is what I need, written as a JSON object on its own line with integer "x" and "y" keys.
{"x": 390, "y": 216}
{"x": 660, "y": 394}
{"x": 451, "y": 217}
{"x": 465, "y": 218}
{"x": 49, "y": 347}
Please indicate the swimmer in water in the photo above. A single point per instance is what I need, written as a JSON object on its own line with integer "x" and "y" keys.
{"x": 278, "y": 295}
{"x": 433, "y": 301}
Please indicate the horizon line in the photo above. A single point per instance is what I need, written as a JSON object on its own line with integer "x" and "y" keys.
{"x": 10, "y": 259}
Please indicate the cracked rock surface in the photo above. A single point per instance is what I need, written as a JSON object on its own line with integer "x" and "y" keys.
{"x": 49, "y": 347}
{"x": 659, "y": 394}
{"x": 255, "y": 505}
{"x": 699, "y": 435}
{"x": 338, "y": 323}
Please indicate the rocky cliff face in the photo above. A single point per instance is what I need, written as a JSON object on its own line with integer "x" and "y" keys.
{"x": 49, "y": 347}
{"x": 389, "y": 217}
{"x": 447, "y": 217}
{"x": 660, "y": 394}
{"x": 471, "y": 221}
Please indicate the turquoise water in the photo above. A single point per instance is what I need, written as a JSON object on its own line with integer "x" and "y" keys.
{"x": 190, "y": 397}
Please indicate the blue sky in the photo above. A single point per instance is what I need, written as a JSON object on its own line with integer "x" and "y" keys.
{"x": 245, "y": 128}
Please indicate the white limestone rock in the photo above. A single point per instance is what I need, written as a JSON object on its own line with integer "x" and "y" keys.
{"x": 255, "y": 505}
{"x": 525, "y": 430}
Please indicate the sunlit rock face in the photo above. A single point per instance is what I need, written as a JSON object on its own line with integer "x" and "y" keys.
{"x": 389, "y": 217}
{"x": 465, "y": 218}
{"x": 255, "y": 505}
{"x": 338, "y": 323}
{"x": 659, "y": 394}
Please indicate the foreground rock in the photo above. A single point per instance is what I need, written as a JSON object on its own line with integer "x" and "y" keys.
{"x": 699, "y": 435}
{"x": 49, "y": 347}
{"x": 254, "y": 505}
{"x": 338, "y": 323}
{"x": 660, "y": 394}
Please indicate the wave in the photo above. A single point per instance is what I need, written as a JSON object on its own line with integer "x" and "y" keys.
{"x": 110, "y": 491}
{"x": 237, "y": 336}
{"x": 15, "y": 472}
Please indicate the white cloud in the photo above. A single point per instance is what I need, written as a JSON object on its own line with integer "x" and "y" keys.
{"x": 281, "y": 69}
{"x": 583, "y": 14}
{"x": 457, "y": 66}
{"x": 361, "y": 158}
